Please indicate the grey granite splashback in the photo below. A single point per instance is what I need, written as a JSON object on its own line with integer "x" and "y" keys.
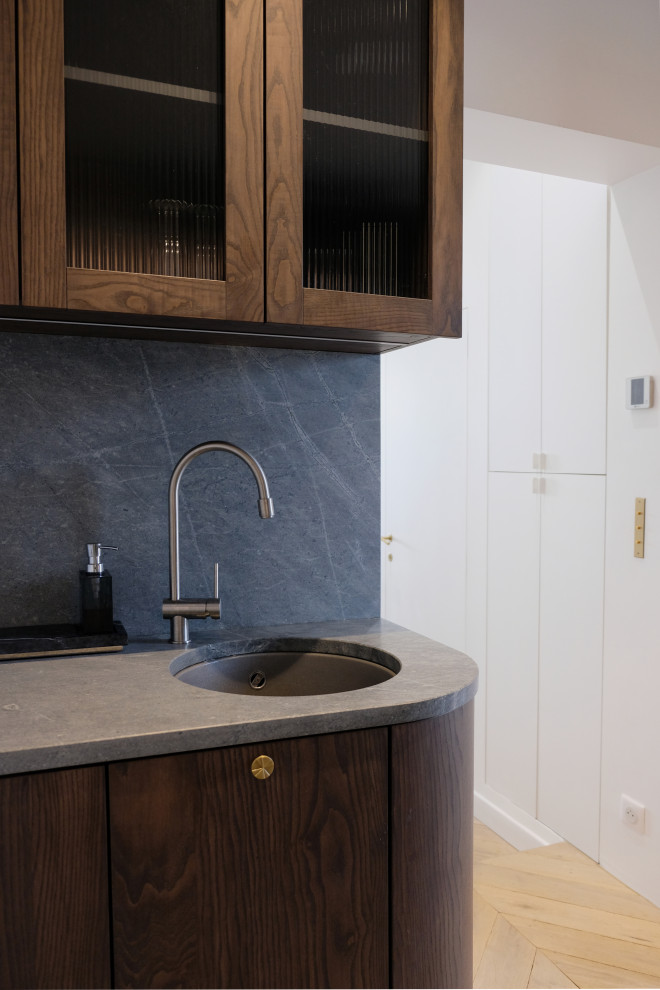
{"x": 90, "y": 430}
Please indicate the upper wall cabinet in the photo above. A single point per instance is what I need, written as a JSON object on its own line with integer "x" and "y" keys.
{"x": 364, "y": 164}
{"x": 291, "y": 169}
{"x": 129, "y": 201}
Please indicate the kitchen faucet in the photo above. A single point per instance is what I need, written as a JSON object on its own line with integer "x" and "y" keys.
{"x": 178, "y": 610}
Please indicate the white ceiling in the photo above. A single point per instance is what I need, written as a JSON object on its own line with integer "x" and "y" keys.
{"x": 584, "y": 65}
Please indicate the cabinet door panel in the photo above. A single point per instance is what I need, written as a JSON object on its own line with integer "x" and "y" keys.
{"x": 514, "y": 377}
{"x": 284, "y": 101}
{"x": 221, "y": 879}
{"x": 54, "y": 925}
{"x": 364, "y": 172}
{"x": 512, "y": 638}
{"x": 574, "y": 325}
{"x": 128, "y": 204}
{"x": 570, "y": 657}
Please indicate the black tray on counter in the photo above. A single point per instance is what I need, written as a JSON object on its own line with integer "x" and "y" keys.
{"x": 20, "y": 642}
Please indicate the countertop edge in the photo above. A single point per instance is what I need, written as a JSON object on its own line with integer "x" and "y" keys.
{"x": 416, "y": 699}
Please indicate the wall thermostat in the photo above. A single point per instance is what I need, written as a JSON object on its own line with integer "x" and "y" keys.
{"x": 639, "y": 392}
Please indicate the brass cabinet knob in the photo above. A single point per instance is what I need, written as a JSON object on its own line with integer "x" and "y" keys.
{"x": 387, "y": 539}
{"x": 262, "y": 767}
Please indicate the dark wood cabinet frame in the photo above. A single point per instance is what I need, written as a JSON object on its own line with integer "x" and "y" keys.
{"x": 262, "y": 300}
{"x": 287, "y": 300}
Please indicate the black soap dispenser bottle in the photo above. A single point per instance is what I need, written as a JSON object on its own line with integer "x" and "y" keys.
{"x": 96, "y": 593}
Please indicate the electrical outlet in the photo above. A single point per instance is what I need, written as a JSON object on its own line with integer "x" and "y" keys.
{"x": 632, "y": 813}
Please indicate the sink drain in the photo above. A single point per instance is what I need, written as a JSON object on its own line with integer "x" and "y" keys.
{"x": 257, "y": 680}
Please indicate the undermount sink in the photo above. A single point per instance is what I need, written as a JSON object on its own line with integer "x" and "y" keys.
{"x": 277, "y": 668}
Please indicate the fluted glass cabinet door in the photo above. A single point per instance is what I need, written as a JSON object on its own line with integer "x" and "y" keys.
{"x": 364, "y": 168}
{"x": 155, "y": 149}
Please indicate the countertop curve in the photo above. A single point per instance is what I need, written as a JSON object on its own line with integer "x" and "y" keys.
{"x": 69, "y": 711}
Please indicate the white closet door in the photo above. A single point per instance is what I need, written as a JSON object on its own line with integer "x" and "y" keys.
{"x": 512, "y": 639}
{"x": 574, "y": 325}
{"x": 515, "y": 319}
{"x": 570, "y": 657}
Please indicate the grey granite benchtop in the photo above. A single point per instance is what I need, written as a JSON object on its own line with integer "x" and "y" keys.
{"x": 68, "y": 711}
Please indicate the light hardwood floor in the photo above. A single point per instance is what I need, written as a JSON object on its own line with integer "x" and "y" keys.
{"x": 551, "y": 917}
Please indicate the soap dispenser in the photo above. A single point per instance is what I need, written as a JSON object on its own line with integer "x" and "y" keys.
{"x": 96, "y": 593}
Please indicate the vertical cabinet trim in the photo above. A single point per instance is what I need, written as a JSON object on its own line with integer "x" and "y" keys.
{"x": 244, "y": 157}
{"x": 287, "y": 300}
{"x": 9, "y": 291}
{"x": 284, "y": 161}
{"x": 43, "y": 210}
{"x": 446, "y": 170}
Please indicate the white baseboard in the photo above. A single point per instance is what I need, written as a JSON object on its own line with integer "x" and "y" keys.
{"x": 511, "y": 822}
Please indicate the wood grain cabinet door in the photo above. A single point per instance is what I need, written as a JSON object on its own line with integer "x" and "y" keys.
{"x": 364, "y": 165}
{"x": 431, "y": 841}
{"x": 141, "y": 157}
{"x": 225, "y": 879}
{"x": 54, "y": 924}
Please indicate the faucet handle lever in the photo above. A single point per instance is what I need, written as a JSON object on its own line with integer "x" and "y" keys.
{"x": 216, "y": 580}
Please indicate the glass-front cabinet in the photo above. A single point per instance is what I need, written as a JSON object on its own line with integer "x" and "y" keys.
{"x": 364, "y": 163}
{"x": 293, "y": 164}
{"x": 127, "y": 111}
{"x": 144, "y": 126}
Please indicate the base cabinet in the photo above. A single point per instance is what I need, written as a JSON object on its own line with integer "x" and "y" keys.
{"x": 223, "y": 879}
{"x": 350, "y": 865}
{"x": 54, "y": 928}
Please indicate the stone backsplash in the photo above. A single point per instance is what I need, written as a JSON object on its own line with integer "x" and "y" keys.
{"x": 90, "y": 430}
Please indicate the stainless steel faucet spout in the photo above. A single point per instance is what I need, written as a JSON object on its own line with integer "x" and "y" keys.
{"x": 175, "y": 608}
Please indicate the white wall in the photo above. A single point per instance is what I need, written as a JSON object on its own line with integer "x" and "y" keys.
{"x": 423, "y": 446}
{"x": 476, "y": 225}
{"x": 631, "y": 683}
{"x": 631, "y": 663}
{"x": 431, "y": 443}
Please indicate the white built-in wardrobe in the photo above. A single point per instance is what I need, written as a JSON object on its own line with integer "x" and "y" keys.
{"x": 547, "y": 338}
{"x": 494, "y": 495}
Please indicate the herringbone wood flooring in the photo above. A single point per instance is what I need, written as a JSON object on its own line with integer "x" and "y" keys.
{"x": 551, "y": 917}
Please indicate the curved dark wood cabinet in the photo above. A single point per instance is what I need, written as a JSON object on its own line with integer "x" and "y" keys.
{"x": 349, "y": 866}
{"x": 431, "y": 805}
